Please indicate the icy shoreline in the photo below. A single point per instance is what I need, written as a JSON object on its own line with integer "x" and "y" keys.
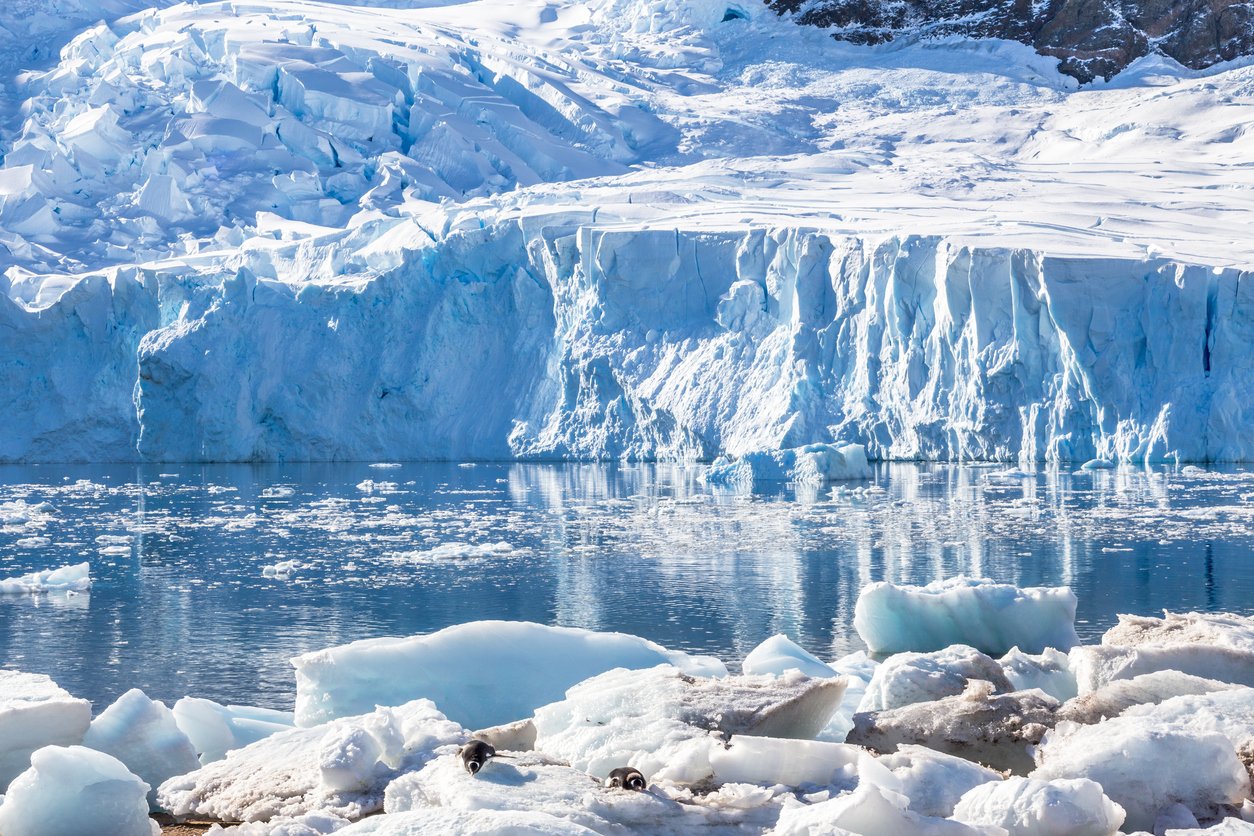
{"x": 1149, "y": 731}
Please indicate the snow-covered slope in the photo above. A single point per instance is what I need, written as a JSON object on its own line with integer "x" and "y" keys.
{"x": 304, "y": 230}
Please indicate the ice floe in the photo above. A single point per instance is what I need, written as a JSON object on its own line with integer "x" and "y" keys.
{"x": 67, "y": 579}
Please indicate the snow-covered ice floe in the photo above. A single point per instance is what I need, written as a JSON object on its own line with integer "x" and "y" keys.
{"x": 482, "y": 674}
{"x": 991, "y": 617}
{"x": 75, "y": 578}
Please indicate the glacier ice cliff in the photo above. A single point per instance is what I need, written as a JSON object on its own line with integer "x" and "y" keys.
{"x": 550, "y": 337}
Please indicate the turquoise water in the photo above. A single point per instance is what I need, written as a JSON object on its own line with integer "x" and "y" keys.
{"x": 181, "y": 602}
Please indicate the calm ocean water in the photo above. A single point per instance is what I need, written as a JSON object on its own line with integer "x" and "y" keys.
{"x": 183, "y": 603}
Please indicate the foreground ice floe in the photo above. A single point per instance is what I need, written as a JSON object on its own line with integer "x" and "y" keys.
{"x": 342, "y": 766}
{"x": 501, "y": 685}
{"x": 76, "y": 790}
{"x": 35, "y": 712}
{"x": 748, "y": 753}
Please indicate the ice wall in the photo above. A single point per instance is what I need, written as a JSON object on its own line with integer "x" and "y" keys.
{"x": 551, "y": 336}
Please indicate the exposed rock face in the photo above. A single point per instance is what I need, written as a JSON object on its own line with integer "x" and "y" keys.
{"x": 1091, "y": 38}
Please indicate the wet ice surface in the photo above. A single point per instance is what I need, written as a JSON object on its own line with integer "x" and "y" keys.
{"x": 206, "y": 579}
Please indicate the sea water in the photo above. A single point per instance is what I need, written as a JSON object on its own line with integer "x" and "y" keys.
{"x": 208, "y": 578}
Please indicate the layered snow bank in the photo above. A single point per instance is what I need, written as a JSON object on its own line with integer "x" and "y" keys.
{"x": 810, "y": 465}
{"x": 990, "y": 617}
{"x": 481, "y": 674}
{"x": 76, "y": 790}
{"x": 76, "y": 578}
{"x": 35, "y": 712}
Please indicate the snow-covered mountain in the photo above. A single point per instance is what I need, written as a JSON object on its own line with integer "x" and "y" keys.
{"x": 1091, "y": 38}
{"x": 618, "y": 228}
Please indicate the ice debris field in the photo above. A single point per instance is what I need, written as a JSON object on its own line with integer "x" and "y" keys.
{"x": 941, "y": 729}
{"x": 235, "y": 231}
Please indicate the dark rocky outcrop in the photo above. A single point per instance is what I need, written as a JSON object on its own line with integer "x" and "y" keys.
{"x": 1091, "y": 38}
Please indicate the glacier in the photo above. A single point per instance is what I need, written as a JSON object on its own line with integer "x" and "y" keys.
{"x": 614, "y": 230}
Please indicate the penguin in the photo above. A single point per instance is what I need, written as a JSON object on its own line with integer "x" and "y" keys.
{"x": 626, "y": 778}
{"x": 475, "y": 756}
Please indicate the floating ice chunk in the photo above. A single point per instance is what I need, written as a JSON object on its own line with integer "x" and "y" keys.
{"x": 993, "y": 729}
{"x": 989, "y": 616}
{"x": 483, "y": 673}
{"x": 934, "y": 781}
{"x": 1049, "y": 671}
{"x": 813, "y": 465}
{"x": 1114, "y": 698}
{"x": 35, "y": 712}
{"x": 780, "y": 653}
{"x": 1031, "y": 807}
{"x": 76, "y": 790}
{"x": 216, "y": 729}
{"x": 340, "y": 767}
{"x": 282, "y": 570}
{"x": 1097, "y": 464}
{"x": 142, "y": 734}
{"x": 1211, "y": 645}
{"x": 458, "y": 551}
{"x": 868, "y": 811}
{"x": 907, "y": 678}
{"x": 1144, "y": 768}
{"x": 76, "y": 578}
{"x": 666, "y": 723}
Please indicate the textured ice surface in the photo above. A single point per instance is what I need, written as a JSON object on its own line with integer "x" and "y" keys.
{"x": 989, "y": 616}
{"x": 1197, "y": 769}
{"x": 996, "y": 730}
{"x": 531, "y": 784}
{"x": 216, "y": 729}
{"x": 812, "y": 465}
{"x": 342, "y": 766}
{"x": 934, "y": 781}
{"x": 1031, "y": 807}
{"x": 482, "y": 673}
{"x": 779, "y": 654}
{"x": 441, "y": 821}
{"x": 667, "y": 724}
{"x": 906, "y": 678}
{"x": 1049, "y": 671}
{"x": 76, "y": 578}
{"x": 70, "y": 789}
{"x": 142, "y": 734}
{"x": 35, "y": 712}
{"x": 1115, "y": 697}
{"x": 1209, "y": 645}
{"x": 868, "y": 811}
